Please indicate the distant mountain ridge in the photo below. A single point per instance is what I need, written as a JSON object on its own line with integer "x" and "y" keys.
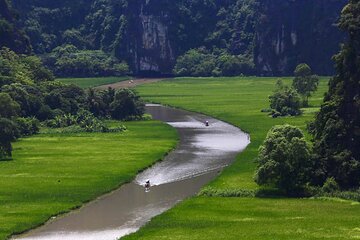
{"x": 150, "y": 34}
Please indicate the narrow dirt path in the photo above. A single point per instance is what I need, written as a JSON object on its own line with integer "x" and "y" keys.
{"x": 131, "y": 83}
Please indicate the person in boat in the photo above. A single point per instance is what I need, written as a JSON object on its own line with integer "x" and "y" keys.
{"x": 147, "y": 184}
{"x": 207, "y": 123}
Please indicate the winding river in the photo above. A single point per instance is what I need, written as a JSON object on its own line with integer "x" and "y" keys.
{"x": 201, "y": 153}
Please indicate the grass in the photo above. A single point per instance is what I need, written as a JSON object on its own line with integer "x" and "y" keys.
{"x": 239, "y": 101}
{"x": 254, "y": 218}
{"x": 92, "y": 82}
{"x": 53, "y": 173}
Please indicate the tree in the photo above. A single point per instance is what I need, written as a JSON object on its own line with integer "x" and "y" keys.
{"x": 337, "y": 126}
{"x": 8, "y": 133}
{"x": 305, "y": 82}
{"x": 9, "y": 108}
{"x": 285, "y": 101}
{"x": 284, "y": 160}
{"x": 126, "y": 104}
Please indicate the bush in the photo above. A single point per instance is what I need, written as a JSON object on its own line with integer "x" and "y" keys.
{"x": 285, "y": 101}
{"x": 27, "y": 126}
{"x": 330, "y": 186}
{"x": 284, "y": 160}
{"x": 84, "y": 120}
{"x": 127, "y": 104}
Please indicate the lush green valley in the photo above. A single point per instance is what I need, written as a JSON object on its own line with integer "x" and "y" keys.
{"x": 219, "y": 212}
{"x": 255, "y": 64}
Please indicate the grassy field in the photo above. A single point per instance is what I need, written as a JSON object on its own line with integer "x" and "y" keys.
{"x": 92, "y": 82}
{"x": 253, "y": 218}
{"x": 53, "y": 173}
{"x": 239, "y": 101}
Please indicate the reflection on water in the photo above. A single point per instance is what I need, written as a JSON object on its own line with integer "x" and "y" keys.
{"x": 201, "y": 148}
{"x": 201, "y": 153}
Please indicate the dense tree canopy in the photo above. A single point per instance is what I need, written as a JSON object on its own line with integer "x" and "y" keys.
{"x": 28, "y": 94}
{"x": 337, "y": 126}
{"x": 11, "y": 36}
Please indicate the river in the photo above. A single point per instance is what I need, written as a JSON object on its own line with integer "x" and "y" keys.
{"x": 203, "y": 151}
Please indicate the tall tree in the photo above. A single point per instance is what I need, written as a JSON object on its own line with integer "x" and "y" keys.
{"x": 337, "y": 126}
{"x": 305, "y": 82}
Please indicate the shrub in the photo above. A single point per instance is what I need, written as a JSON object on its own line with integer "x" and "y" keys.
{"x": 27, "y": 126}
{"x": 330, "y": 186}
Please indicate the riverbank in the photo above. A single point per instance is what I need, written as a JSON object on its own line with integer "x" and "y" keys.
{"x": 54, "y": 173}
{"x": 240, "y": 101}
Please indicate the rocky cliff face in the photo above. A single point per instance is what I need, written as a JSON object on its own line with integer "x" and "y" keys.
{"x": 151, "y": 34}
{"x": 137, "y": 31}
{"x": 291, "y": 32}
{"x": 153, "y": 52}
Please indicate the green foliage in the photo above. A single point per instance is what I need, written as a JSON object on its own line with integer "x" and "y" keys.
{"x": 195, "y": 63}
{"x": 285, "y": 101}
{"x": 9, "y": 108}
{"x": 75, "y": 38}
{"x": 11, "y": 35}
{"x": 126, "y": 104}
{"x": 337, "y": 127}
{"x": 29, "y": 97}
{"x": 200, "y": 62}
{"x": 68, "y": 98}
{"x": 27, "y": 126}
{"x": 8, "y": 133}
{"x": 330, "y": 186}
{"x": 304, "y": 82}
{"x": 85, "y": 120}
{"x": 26, "y": 70}
{"x": 69, "y": 61}
{"x": 284, "y": 160}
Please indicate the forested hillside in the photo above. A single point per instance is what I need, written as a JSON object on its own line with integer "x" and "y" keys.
{"x": 10, "y": 35}
{"x": 266, "y": 36}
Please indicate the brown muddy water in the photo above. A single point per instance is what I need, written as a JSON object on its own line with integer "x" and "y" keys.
{"x": 200, "y": 155}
